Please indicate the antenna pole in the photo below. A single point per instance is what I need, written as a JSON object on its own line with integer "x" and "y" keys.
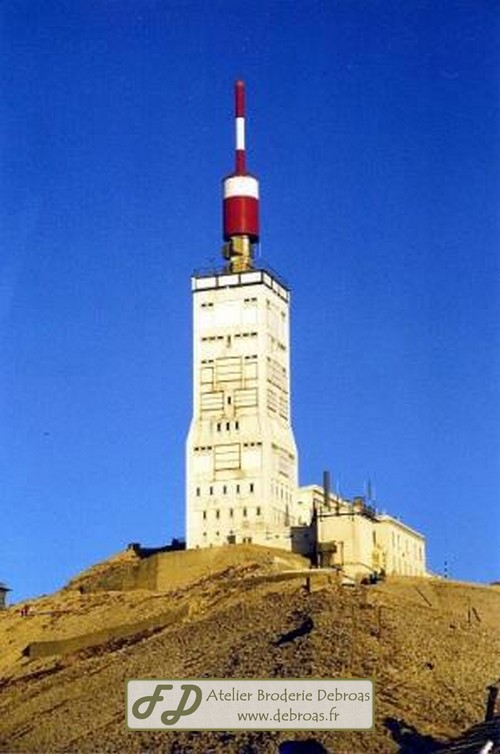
{"x": 239, "y": 113}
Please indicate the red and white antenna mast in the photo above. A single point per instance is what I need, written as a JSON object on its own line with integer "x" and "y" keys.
{"x": 240, "y": 198}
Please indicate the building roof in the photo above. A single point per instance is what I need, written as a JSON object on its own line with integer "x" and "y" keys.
{"x": 385, "y": 518}
{"x": 482, "y": 738}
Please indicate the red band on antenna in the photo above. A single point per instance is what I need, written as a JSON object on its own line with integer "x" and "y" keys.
{"x": 239, "y": 99}
{"x": 240, "y": 163}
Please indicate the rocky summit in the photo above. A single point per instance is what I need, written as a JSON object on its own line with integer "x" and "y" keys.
{"x": 431, "y": 645}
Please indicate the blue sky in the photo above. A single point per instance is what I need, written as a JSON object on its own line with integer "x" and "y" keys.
{"x": 374, "y": 130}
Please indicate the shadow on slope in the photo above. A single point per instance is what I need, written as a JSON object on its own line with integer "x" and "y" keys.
{"x": 311, "y": 746}
{"x": 303, "y": 629}
{"x": 409, "y": 739}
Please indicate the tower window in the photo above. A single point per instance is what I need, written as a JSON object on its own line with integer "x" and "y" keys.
{"x": 228, "y": 400}
{"x": 218, "y": 427}
{"x": 236, "y": 425}
{"x": 228, "y": 426}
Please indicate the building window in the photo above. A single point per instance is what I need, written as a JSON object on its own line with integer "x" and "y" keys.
{"x": 198, "y": 492}
{"x": 237, "y": 489}
{"x": 210, "y": 490}
{"x": 228, "y": 400}
{"x": 224, "y": 490}
{"x": 236, "y": 425}
{"x": 244, "y": 512}
{"x": 218, "y": 427}
{"x": 231, "y": 512}
{"x": 258, "y": 511}
{"x": 217, "y": 514}
{"x": 251, "y": 487}
{"x": 204, "y": 515}
{"x": 227, "y": 456}
{"x": 228, "y": 426}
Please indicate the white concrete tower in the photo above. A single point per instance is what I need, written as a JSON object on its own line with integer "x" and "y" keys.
{"x": 241, "y": 457}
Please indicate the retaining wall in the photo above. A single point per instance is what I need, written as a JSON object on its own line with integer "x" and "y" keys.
{"x": 104, "y": 636}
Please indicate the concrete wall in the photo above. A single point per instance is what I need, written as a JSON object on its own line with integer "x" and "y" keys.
{"x": 169, "y": 570}
{"x": 103, "y": 636}
{"x": 174, "y": 569}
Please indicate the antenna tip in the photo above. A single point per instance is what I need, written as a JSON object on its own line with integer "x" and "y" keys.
{"x": 239, "y": 98}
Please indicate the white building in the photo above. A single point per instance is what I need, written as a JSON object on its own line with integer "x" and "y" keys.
{"x": 241, "y": 453}
{"x": 241, "y": 456}
{"x": 354, "y": 537}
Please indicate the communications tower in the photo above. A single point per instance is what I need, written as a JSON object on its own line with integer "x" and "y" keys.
{"x": 241, "y": 457}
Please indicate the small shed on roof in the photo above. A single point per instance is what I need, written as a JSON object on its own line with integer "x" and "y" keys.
{"x": 3, "y": 594}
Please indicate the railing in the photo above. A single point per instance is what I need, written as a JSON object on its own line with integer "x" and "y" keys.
{"x": 259, "y": 265}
